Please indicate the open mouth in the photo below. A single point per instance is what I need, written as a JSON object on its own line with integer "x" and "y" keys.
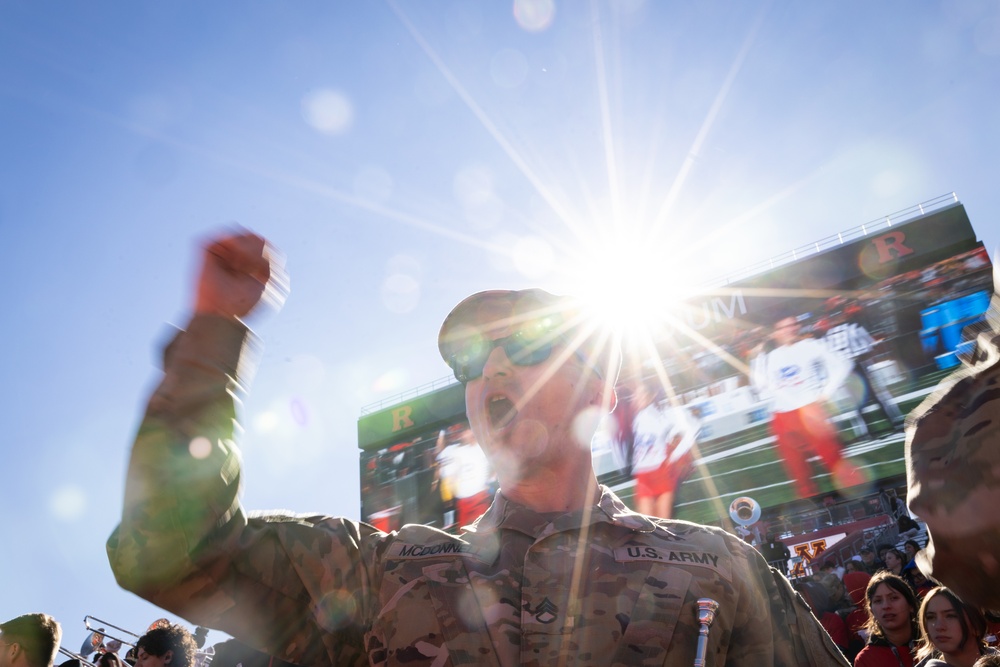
{"x": 501, "y": 411}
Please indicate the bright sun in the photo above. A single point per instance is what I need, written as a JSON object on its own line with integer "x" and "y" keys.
{"x": 632, "y": 283}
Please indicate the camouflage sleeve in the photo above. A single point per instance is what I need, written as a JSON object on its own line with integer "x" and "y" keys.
{"x": 294, "y": 587}
{"x": 799, "y": 639}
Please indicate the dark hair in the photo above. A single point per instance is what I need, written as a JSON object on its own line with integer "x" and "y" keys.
{"x": 903, "y": 560}
{"x": 916, "y": 545}
{"x": 989, "y": 660}
{"x": 109, "y": 660}
{"x": 38, "y": 635}
{"x": 899, "y": 585}
{"x": 171, "y": 638}
{"x": 970, "y": 619}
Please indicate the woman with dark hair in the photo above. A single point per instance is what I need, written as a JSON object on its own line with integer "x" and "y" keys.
{"x": 171, "y": 645}
{"x": 853, "y": 566}
{"x": 892, "y": 625}
{"x": 952, "y": 631}
{"x": 911, "y": 547}
{"x": 109, "y": 660}
{"x": 894, "y": 561}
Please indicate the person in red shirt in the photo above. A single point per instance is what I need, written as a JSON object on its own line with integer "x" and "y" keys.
{"x": 892, "y": 623}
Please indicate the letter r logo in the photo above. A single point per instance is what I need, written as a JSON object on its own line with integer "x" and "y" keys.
{"x": 890, "y": 246}
{"x": 401, "y": 418}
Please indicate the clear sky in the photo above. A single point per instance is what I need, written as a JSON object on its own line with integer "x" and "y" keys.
{"x": 404, "y": 155}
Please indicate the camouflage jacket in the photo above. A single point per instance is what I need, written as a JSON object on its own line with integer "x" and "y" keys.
{"x": 605, "y": 586}
{"x": 952, "y": 470}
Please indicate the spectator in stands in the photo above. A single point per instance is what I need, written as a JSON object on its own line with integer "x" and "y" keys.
{"x": 911, "y": 547}
{"x": 907, "y": 526}
{"x": 892, "y": 623}
{"x": 953, "y": 632}
{"x": 31, "y": 640}
{"x": 840, "y": 601}
{"x": 832, "y": 564}
{"x": 895, "y": 560}
{"x": 868, "y": 561}
{"x": 881, "y": 549}
{"x": 172, "y": 645}
{"x": 856, "y": 584}
{"x": 817, "y": 596}
{"x": 917, "y": 580}
{"x": 775, "y": 553}
{"x": 893, "y": 503}
{"x": 853, "y": 565}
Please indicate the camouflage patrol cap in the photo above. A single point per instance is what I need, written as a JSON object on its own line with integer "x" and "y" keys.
{"x": 565, "y": 317}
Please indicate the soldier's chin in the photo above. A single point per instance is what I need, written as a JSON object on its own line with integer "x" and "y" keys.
{"x": 515, "y": 460}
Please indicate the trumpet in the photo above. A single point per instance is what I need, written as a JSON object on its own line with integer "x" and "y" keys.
{"x": 128, "y": 638}
{"x": 101, "y": 632}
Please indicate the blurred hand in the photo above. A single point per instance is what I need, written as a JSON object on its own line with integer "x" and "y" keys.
{"x": 239, "y": 271}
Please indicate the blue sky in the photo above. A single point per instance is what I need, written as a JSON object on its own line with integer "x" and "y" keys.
{"x": 404, "y": 155}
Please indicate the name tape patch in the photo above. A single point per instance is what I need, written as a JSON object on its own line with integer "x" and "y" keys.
{"x": 705, "y": 559}
{"x": 435, "y": 550}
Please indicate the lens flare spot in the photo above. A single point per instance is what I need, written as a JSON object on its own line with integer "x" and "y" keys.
{"x": 300, "y": 414}
{"x": 400, "y": 293}
{"x": 586, "y": 424}
{"x": 534, "y": 15}
{"x": 68, "y": 502}
{"x": 266, "y": 422}
{"x": 200, "y": 447}
{"x": 335, "y": 608}
{"x": 393, "y": 380}
{"x": 327, "y": 111}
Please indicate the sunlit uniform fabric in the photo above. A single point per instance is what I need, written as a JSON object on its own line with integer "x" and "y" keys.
{"x": 604, "y": 587}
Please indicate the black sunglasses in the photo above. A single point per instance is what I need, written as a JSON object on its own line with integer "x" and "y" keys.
{"x": 521, "y": 348}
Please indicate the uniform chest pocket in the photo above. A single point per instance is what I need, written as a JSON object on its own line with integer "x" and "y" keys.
{"x": 658, "y": 622}
{"x": 429, "y": 616}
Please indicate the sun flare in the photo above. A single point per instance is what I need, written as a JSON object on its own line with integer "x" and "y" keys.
{"x": 632, "y": 283}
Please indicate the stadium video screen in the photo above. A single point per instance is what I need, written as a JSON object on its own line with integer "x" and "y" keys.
{"x": 792, "y": 383}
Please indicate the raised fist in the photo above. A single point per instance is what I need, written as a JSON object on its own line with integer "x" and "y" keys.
{"x": 238, "y": 272}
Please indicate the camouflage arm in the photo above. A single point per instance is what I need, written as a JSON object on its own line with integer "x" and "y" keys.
{"x": 294, "y": 587}
{"x": 773, "y": 624}
{"x": 799, "y": 637}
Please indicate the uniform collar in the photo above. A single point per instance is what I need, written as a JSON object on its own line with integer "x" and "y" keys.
{"x": 505, "y": 514}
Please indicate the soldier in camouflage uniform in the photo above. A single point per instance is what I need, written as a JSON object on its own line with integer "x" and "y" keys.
{"x": 558, "y": 570}
{"x": 953, "y": 470}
